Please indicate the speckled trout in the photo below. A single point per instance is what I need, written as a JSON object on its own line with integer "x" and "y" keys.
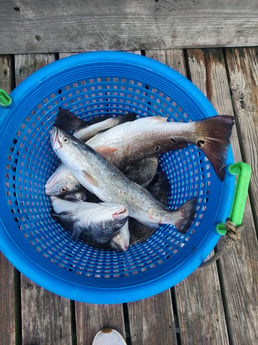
{"x": 107, "y": 182}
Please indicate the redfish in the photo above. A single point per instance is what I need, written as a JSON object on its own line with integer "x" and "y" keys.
{"x": 148, "y": 136}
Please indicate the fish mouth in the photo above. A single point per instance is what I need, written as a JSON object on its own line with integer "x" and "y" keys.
{"x": 47, "y": 190}
{"x": 54, "y": 139}
{"x": 48, "y": 187}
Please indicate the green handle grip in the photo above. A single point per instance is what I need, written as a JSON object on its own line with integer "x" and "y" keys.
{"x": 5, "y": 99}
{"x": 243, "y": 171}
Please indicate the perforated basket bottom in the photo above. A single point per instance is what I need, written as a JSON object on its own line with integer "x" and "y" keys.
{"x": 30, "y": 161}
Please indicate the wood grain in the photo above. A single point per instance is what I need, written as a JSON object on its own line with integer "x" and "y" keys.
{"x": 152, "y": 321}
{"x": 26, "y": 64}
{"x": 46, "y": 317}
{"x": 243, "y": 74}
{"x": 64, "y": 25}
{"x": 239, "y": 266}
{"x": 7, "y": 298}
{"x": 7, "y": 301}
{"x": 92, "y": 317}
{"x": 199, "y": 296}
{"x": 5, "y": 73}
{"x": 199, "y": 305}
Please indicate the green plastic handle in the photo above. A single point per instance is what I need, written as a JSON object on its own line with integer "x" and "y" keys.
{"x": 243, "y": 170}
{"x": 5, "y": 99}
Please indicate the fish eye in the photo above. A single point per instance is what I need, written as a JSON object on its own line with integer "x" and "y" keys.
{"x": 116, "y": 227}
{"x": 65, "y": 140}
{"x": 63, "y": 189}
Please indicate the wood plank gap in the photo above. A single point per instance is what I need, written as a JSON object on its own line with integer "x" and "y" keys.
{"x": 187, "y": 65}
{"x": 127, "y": 324}
{"x": 208, "y": 74}
{"x": 12, "y": 72}
{"x": 73, "y": 323}
{"x": 175, "y": 311}
{"x": 224, "y": 302}
{"x": 17, "y": 307}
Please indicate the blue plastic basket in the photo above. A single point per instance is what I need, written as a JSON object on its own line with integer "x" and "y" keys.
{"x": 89, "y": 85}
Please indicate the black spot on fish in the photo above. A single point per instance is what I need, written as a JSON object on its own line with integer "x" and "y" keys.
{"x": 200, "y": 143}
{"x": 157, "y": 148}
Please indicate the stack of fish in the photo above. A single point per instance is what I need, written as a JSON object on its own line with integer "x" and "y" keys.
{"x": 107, "y": 191}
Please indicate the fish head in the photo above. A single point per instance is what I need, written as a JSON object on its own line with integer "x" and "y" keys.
{"x": 61, "y": 182}
{"x": 120, "y": 242}
{"x": 59, "y": 138}
{"x": 109, "y": 221}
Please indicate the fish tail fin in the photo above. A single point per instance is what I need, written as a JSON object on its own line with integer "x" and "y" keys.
{"x": 213, "y": 137}
{"x": 67, "y": 121}
{"x": 185, "y": 216}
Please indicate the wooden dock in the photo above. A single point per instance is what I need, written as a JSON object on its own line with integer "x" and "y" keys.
{"x": 216, "y": 305}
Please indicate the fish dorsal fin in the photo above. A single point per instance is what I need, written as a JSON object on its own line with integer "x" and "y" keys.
{"x": 91, "y": 179}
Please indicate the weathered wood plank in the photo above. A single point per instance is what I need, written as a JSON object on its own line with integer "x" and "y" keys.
{"x": 7, "y": 301}
{"x": 239, "y": 267}
{"x": 26, "y": 64}
{"x": 152, "y": 321}
{"x": 5, "y": 73}
{"x": 46, "y": 317}
{"x": 92, "y": 317}
{"x": 243, "y": 74}
{"x": 174, "y": 58}
{"x": 64, "y": 25}
{"x": 7, "y": 298}
{"x": 198, "y": 298}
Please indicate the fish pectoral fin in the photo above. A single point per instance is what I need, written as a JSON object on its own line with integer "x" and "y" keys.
{"x": 77, "y": 230}
{"x": 105, "y": 151}
{"x": 72, "y": 198}
{"x": 66, "y": 214}
{"x": 91, "y": 179}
